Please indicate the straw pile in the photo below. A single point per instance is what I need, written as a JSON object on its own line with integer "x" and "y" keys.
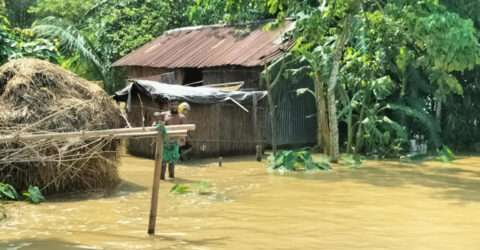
{"x": 37, "y": 96}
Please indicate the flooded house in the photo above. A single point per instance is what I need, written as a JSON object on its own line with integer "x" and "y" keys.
{"x": 221, "y": 58}
{"x": 227, "y": 122}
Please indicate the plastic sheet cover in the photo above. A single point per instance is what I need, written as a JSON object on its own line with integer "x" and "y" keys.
{"x": 199, "y": 95}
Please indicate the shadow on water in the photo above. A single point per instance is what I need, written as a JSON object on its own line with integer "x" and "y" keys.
{"x": 122, "y": 189}
{"x": 27, "y": 244}
{"x": 452, "y": 182}
{"x": 40, "y": 244}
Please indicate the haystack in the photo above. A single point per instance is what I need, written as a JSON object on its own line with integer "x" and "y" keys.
{"x": 36, "y": 97}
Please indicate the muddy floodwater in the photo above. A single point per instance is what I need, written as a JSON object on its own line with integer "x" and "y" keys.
{"x": 382, "y": 205}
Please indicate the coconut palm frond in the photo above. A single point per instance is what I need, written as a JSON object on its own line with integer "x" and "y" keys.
{"x": 70, "y": 39}
{"x": 430, "y": 125}
{"x": 399, "y": 129}
{"x": 373, "y": 131}
{"x": 94, "y": 9}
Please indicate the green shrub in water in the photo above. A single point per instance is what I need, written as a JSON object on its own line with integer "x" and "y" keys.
{"x": 8, "y": 192}
{"x": 445, "y": 154}
{"x": 353, "y": 160}
{"x": 201, "y": 186}
{"x": 33, "y": 194}
{"x": 179, "y": 189}
{"x": 295, "y": 160}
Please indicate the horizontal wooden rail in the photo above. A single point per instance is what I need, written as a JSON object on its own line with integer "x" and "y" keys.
{"x": 174, "y": 133}
{"x": 117, "y": 133}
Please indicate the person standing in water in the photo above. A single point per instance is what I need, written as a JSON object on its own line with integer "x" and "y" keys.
{"x": 170, "y": 148}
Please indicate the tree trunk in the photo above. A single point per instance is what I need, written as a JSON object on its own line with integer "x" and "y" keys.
{"x": 332, "y": 108}
{"x": 359, "y": 140}
{"x": 350, "y": 129}
{"x": 322, "y": 121}
{"x": 273, "y": 125}
{"x": 438, "y": 109}
{"x": 271, "y": 104}
{"x": 332, "y": 115}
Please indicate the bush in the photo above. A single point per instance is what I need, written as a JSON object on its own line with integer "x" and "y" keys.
{"x": 295, "y": 161}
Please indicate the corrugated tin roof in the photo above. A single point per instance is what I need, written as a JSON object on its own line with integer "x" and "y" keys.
{"x": 209, "y": 46}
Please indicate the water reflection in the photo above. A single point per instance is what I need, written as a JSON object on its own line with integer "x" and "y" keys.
{"x": 382, "y": 205}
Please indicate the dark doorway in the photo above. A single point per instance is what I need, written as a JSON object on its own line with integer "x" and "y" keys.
{"x": 192, "y": 75}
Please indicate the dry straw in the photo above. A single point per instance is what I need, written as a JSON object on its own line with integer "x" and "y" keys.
{"x": 36, "y": 97}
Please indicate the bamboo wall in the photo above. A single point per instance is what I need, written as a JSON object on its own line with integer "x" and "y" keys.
{"x": 223, "y": 129}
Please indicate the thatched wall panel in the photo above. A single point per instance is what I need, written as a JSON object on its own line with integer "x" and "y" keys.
{"x": 222, "y": 129}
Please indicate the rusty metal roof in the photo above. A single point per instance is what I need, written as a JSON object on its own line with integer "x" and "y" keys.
{"x": 210, "y": 46}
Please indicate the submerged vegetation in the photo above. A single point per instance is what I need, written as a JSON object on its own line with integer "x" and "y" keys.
{"x": 353, "y": 160}
{"x": 8, "y": 192}
{"x": 200, "y": 188}
{"x": 296, "y": 161}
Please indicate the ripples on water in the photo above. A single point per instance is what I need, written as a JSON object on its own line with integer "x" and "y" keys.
{"x": 382, "y": 205}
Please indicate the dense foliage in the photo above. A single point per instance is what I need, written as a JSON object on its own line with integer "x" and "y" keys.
{"x": 389, "y": 70}
{"x": 17, "y": 43}
{"x": 109, "y": 30}
{"x": 72, "y": 10}
{"x": 17, "y": 13}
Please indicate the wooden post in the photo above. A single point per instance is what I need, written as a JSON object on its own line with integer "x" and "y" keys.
{"x": 259, "y": 153}
{"x": 220, "y": 161}
{"x": 156, "y": 183}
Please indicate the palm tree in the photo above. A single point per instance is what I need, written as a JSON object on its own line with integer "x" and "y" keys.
{"x": 76, "y": 43}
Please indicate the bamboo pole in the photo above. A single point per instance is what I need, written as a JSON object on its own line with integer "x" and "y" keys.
{"x": 88, "y": 134}
{"x": 176, "y": 133}
{"x": 156, "y": 184}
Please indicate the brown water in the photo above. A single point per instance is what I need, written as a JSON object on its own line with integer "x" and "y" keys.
{"x": 383, "y": 205}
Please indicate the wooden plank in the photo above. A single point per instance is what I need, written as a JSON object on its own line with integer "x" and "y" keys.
{"x": 156, "y": 184}
{"x": 88, "y": 134}
{"x": 177, "y": 133}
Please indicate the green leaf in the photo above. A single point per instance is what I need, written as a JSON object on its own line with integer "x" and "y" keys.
{"x": 8, "y": 191}
{"x": 302, "y": 91}
{"x": 203, "y": 186}
{"x": 353, "y": 159}
{"x": 34, "y": 194}
{"x": 289, "y": 160}
{"x": 179, "y": 189}
{"x": 324, "y": 166}
{"x": 446, "y": 155}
